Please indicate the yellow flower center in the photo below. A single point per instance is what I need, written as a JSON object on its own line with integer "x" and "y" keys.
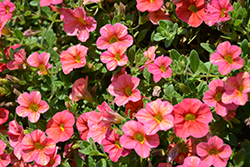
{"x": 43, "y": 69}
{"x": 158, "y": 117}
{"x": 80, "y": 19}
{"x": 190, "y": 117}
{"x": 118, "y": 144}
{"x": 218, "y": 96}
{"x": 62, "y": 127}
{"x": 229, "y": 59}
{"x": 7, "y": 10}
{"x": 213, "y": 151}
{"x": 128, "y": 91}
{"x": 193, "y": 8}
{"x": 113, "y": 39}
{"x": 38, "y": 146}
{"x": 140, "y": 137}
{"x": 78, "y": 58}
{"x": 163, "y": 68}
{"x": 241, "y": 89}
{"x": 117, "y": 57}
{"x": 151, "y": 1}
{"x": 33, "y": 107}
{"x": 222, "y": 12}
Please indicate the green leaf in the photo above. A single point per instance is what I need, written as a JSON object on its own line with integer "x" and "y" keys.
{"x": 131, "y": 54}
{"x": 91, "y": 162}
{"x": 168, "y": 42}
{"x": 142, "y": 34}
{"x": 50, "y": 38}
{"x": 237, "y": 22}
{"x": 101, "y": 163}
{"x": 53, "y": 55}
{"x": 165, "y": 24}
{"x": 208, "y": 47}
{"x": 244, "y": 47}
{"x": 239, "y": 158}
{"x": 174, "y": 54}
{"x": 232, "y": 139}
{"x": 202, "y": 68}
{"x": 19, "y": 34}
{"x": 146, "y": 74}
{"x": 79, "y": 161}
{"x": 158, "y": 37}
{"x": 194, "y": 60}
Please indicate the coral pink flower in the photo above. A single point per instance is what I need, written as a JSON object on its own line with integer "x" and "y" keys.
{"x": 231, "y": 114}
{"x": 191, "y": 118}
{"x": 150, "y": 55}
{"x": 80, "y": 91}
{"x": 82, "y": 125}
{"x": 156, "y": 116}
{"x": 114, "y": 56}
{"x": 31, "y": 105}
{"x": 60, "y": 127}
{"x": 3, "y": 21}
{"x": 4, "y": 158}
{"x": 160, "y": 68}
{"x": 6, "y": 7}
{"x": 134, "y": 107}
{"x": 217, "y": 11}
{"x": 191, "y": 11}
{"x": 212, "y": 98}
{"x": 237, "y": 89}
{"x": 111, "y": 145}
{"x": 121, "y": 72}
{"x": 124, "y": 89}
{"x": 227, "y": 58}
{"x": 112, "y": 34}
{"x": 149, "y": 5}
{"x": 19, "y": 57}
{"x": 40, "y": 61}
{"x": 16, "y": 135}
{"x": 214, "y": 152}
{"x": 77, "y": 24}
{"x": 36, "y": 147}
{"x": 55, "y": 160}
{"x": 164, "y": 165}
{"x": 193, "y": 161}
{"x": 73, "y": 57}
{"x": 4, "y": 115}
{"x": 135, "y": 138}
{"x": 158, "y": 15}
{"x": 15, "y": 162}
{"x": 48, "y": 2}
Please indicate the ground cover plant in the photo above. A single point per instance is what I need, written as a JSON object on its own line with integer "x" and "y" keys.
{"x": 124, "y": 83}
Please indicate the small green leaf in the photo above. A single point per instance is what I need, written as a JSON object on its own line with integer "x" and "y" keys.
{"x": 168, "y": 42}
{"x": 237, "y": 22}
{"x": 174, "y": 54}
{"x": 194, "y": 60}
{"x": 50, "y": 38}
{"x": 239, "y": 158}
{"x": 101, "y": 163}
{"x": 208, "y": 47}
{"x": 146, "y": 74}
{"x": 19, "y": 34}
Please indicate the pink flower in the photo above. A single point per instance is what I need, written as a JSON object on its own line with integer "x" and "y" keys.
{"x": 164, "y": 165}
{"x": 36, "y": 147}
{"x": 82, "y": 125}
{"x": 230, "y": 115}
{"x": 135, "y": 138}
{"x": 6, "y": 7}
{"x": 3, "y": 21}
{"x": 40, "y": 61}
{"x": 214, "y": 152}
{"x": 80, "y": 91}
{"x": 4, "y": 158}
{"x": 4, "y": 115}
{"x": 134, "y": 107}
{"x": 121, "y": 72}
{"x": 191, "y": 11}
{"x": 55, "y": 160}
{"x": 158, "y": 15}
{"x": 48, "y": 2}
{"x": 114, "y": 34}
{"x": 31, "y": 105}
{"x": 217, "y": 11}
{"x": 156, "y": 116}
{"x": 160, "y": 68}
{"x": 124, "y": 89}
{"x": 16, "y": 135}
{"x": 227, "y": 58}
{"x": 212, "y": 98}
{"x": 191, "y": 118}
{"x": 19, "y": 57}
{"x": 193, "y": 161}
{"x": 150, "y": 55}
{"x": 237, "y": 89}
{"x": 111, "y": 145}
{"x": 74, "y": 57}
{"x": 149, "y": 5}
{"x": 60, "y": 127}
{"x": 77, "y": 24}
{"x": 114, "y": 56}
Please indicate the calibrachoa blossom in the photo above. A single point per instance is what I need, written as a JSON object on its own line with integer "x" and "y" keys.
{"x": 82, "y": 125}
{"x": 60, "y": 127}
{"x": 237, "y": 89}
{"x": 158, "y": 15}
{"x": 214, "y": 152}
{"x": 111, "y": 145}
{"x": 19, "y": 57}
{"x": 124, "y": 89}
{"x": 73, "y": 57}
{"x": 150, "y": 55}
{"x": 114, "y": 34}
{"x": 4, "y": 115}
{"x": 31, "y": 105}
{"x": 193, "y": 161}
{"x": 6, "y": 7}
{"x": 4, "y": 158}
{"x": 36, "y": 147}
{"x": 135, "y": 138}
{"x": 156, "y": 116}
{"x": 40, "y": 62}
{"x": 134, "y": 107}
{"x": 149, "y": 5}
{"x": 55, "y": 160}
{"x": 80, "y": 91}
{"x": 191, "y": 118}
{"x": 160, "y": 68}
{"x": 217, "y": 11}
{"x": 3, "y": 21}
{"x": 121, "y": 72}
{"x": 49, "y": 2}
{"x": 191, "y": 11}
{"x": 77, "y": 24}
{"x": 164, "y": 165}
{"x": 212, "y": 98}
{"x": 227, "y": 57}
{"x": 114, "y": 56}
